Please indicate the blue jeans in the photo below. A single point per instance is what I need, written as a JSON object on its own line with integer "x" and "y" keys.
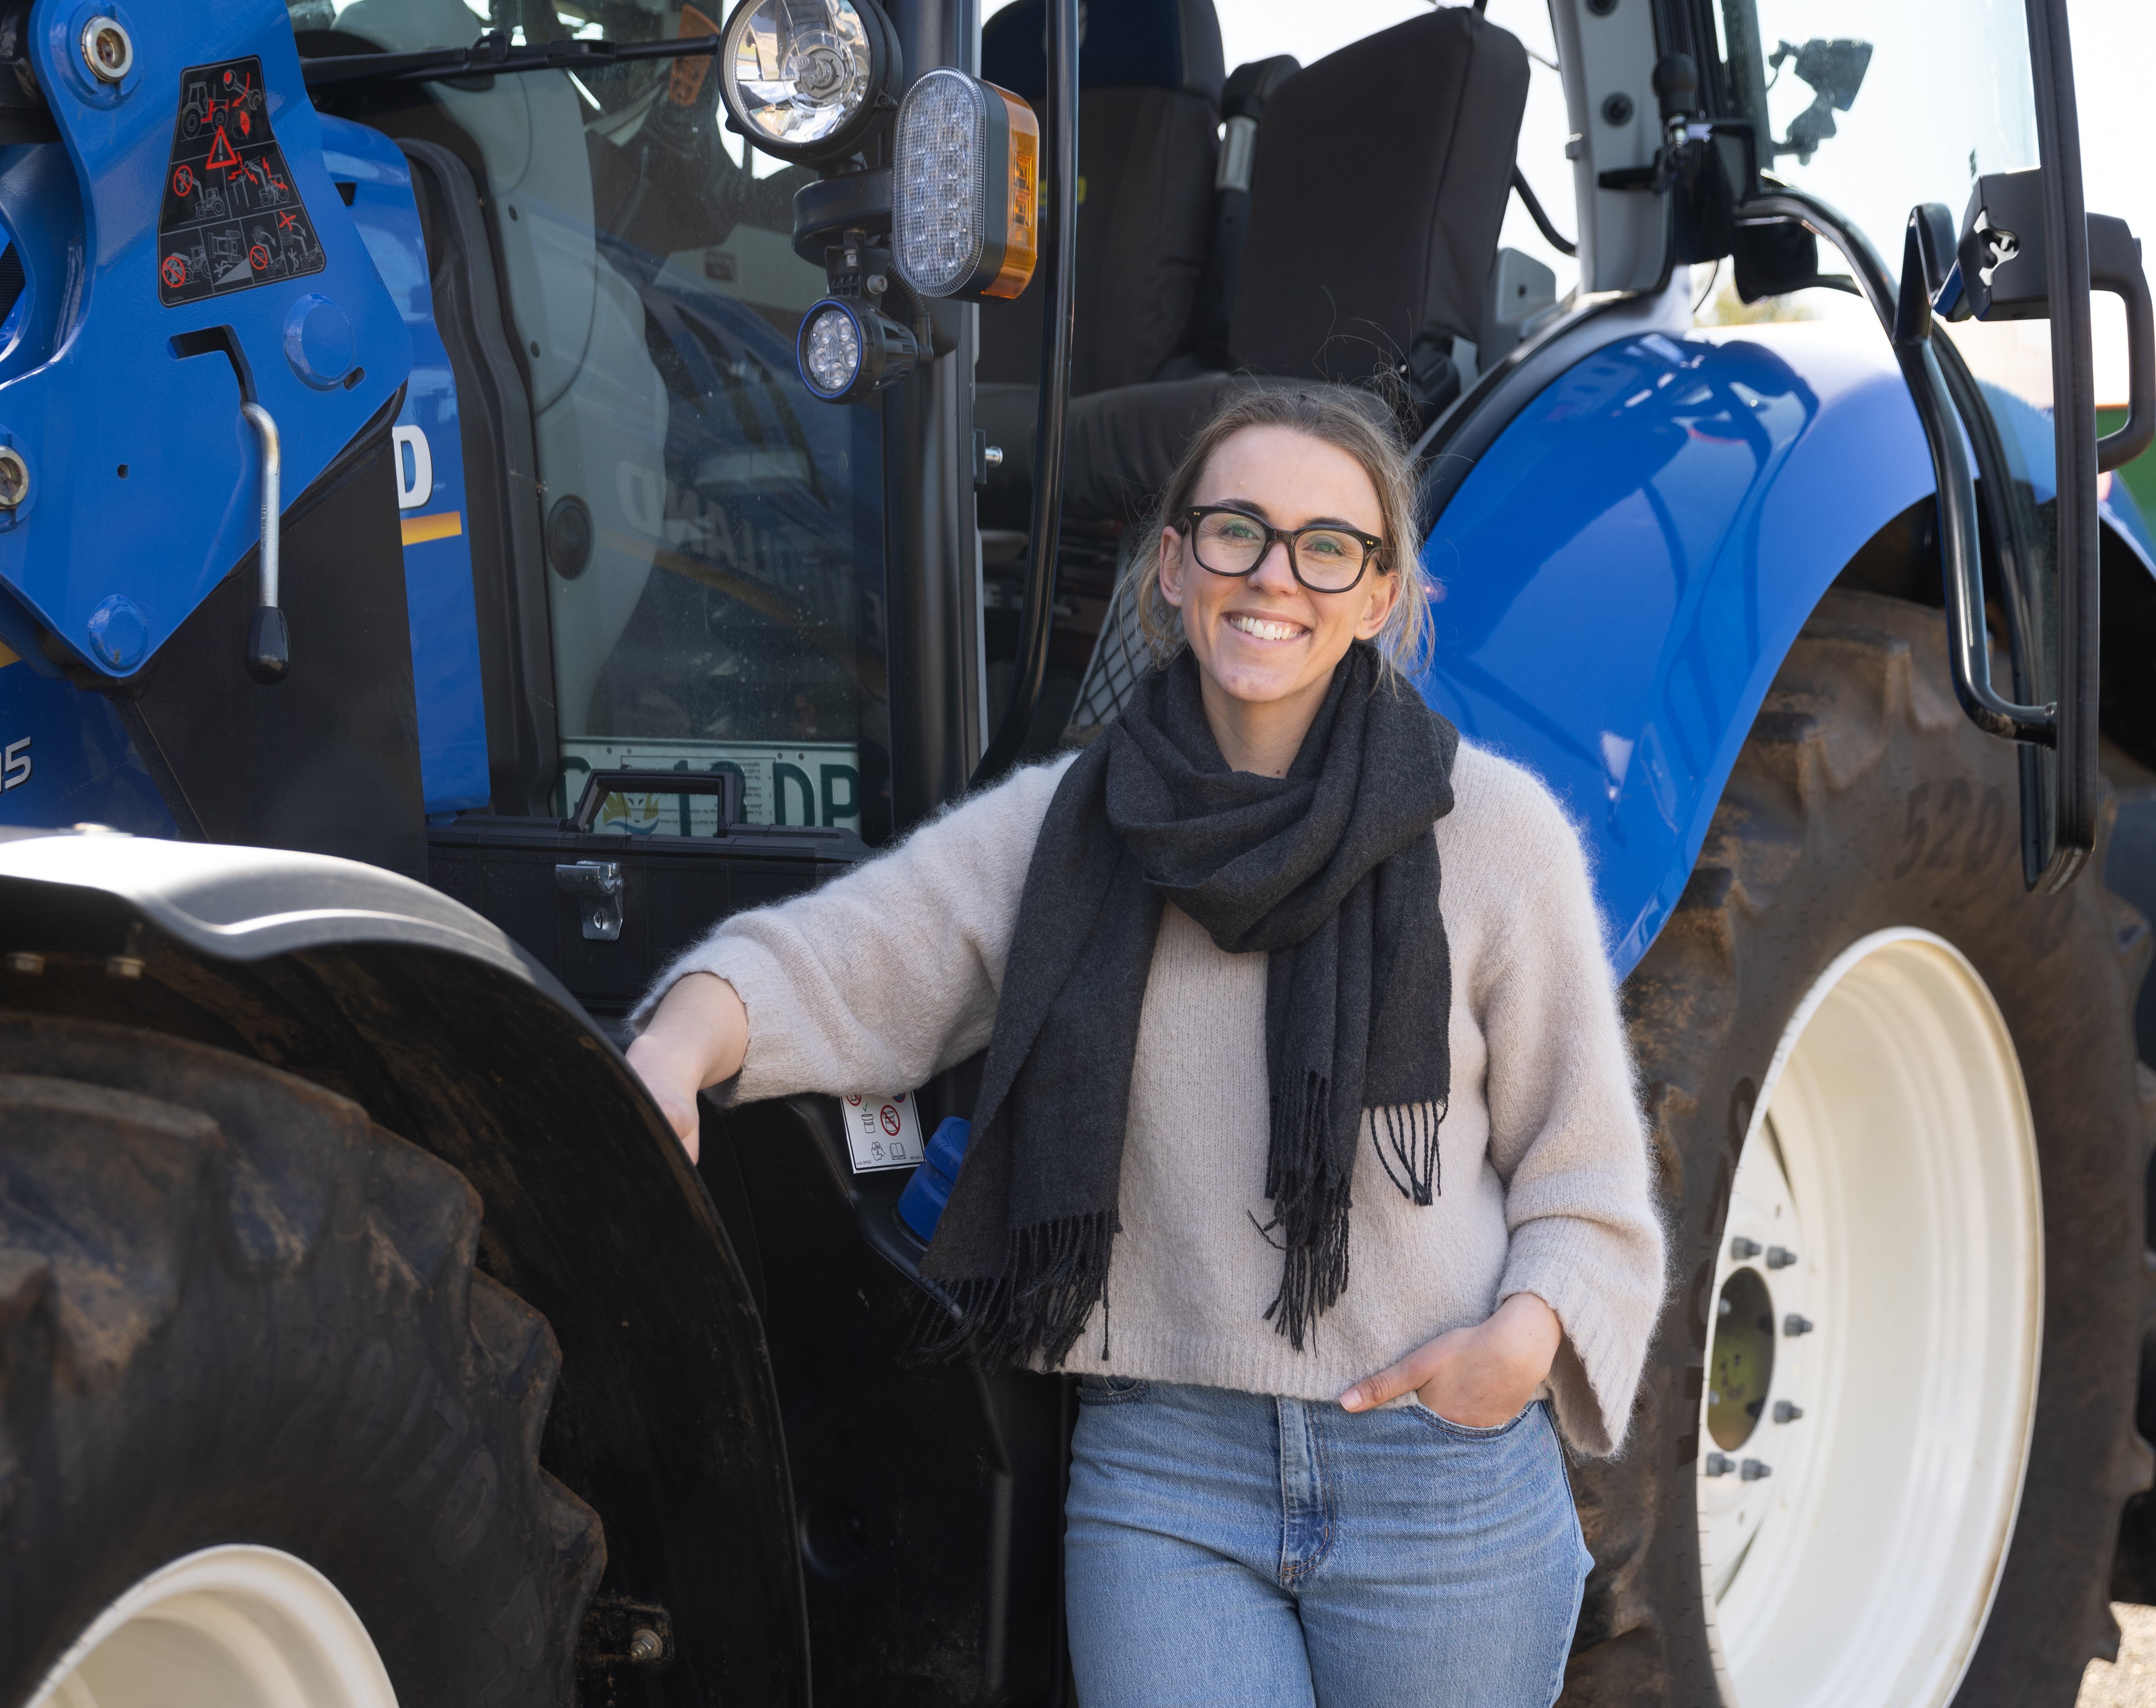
{"x": 1234, "y": 1548}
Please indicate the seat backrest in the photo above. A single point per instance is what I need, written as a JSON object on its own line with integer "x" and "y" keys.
{"x": 1379, "y": 187}
{"x": 1149, "y": 75}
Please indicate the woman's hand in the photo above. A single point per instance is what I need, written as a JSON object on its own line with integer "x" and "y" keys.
{"x": 697, "y": 1038}
{"x": 1481, "y": 1376}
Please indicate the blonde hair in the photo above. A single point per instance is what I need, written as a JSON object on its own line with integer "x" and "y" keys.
{"x": 1349, "y": 421}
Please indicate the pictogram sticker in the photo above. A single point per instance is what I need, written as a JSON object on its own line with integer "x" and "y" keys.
{"x": 882, "y": 1132}
{"x": 232, "y": 216}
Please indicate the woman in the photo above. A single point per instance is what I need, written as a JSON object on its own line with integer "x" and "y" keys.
{"x": 1233, "y": 1038}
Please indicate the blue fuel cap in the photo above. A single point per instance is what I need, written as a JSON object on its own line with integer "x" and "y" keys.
{"x": 920, "y": 1204}
{"x": 319, "y": 342}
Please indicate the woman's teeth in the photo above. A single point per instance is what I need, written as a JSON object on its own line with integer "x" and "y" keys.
{"x": 1264, "y": 630}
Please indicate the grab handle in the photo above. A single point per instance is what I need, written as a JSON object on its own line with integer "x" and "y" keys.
{"x": 268, "y": 642}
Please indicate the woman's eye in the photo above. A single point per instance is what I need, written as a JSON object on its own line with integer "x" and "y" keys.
{"x": 1324, "y": 546}
{"x": 1240, "y": 532}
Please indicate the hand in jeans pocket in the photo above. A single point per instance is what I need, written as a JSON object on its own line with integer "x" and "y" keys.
{"x": 1478, "y": 1377}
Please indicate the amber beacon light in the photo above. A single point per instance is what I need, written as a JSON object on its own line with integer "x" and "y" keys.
{"x": 965, "y": 191}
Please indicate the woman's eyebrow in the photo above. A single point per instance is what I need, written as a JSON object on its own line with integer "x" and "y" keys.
{"x": 1260, "y": 510}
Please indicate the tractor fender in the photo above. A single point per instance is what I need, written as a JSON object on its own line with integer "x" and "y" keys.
{"x": 666, "y": 1418}
{"x": 1616, "y": 580}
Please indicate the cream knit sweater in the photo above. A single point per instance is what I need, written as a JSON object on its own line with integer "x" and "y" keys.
{"x": 890, "y": 974}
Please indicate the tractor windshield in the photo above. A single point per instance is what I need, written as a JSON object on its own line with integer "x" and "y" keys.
{"x": 1875, "y": 109}
{"x": 712, "y": 535}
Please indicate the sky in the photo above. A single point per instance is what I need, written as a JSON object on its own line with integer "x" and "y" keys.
{"x": 1944, "y": 113}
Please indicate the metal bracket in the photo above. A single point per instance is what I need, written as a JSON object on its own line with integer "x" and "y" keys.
{"x": 597, "y": 886}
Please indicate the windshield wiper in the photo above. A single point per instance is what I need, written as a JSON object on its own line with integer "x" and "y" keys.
{"x": 494, "y": 54}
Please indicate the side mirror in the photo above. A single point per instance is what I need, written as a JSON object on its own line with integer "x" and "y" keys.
{"x": 2002, "y": 272}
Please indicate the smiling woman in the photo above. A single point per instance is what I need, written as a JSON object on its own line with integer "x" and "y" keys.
{"x": 1233, "y": 1030}
{"x": 1267, "y": 625}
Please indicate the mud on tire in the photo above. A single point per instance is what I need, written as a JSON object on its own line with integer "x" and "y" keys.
{"x": 231, "y": 1309}
{"x": 1864, "y": 800}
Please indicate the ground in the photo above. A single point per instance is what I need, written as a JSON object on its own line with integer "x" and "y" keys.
{"x": 2130, "y": 1681}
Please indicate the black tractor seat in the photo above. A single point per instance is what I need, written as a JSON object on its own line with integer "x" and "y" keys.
{"x": 1378, "y": 189}
{"x": 1149, "y": 78}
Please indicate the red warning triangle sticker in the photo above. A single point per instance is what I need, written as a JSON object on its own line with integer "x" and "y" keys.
{"x": 221, "y": 154}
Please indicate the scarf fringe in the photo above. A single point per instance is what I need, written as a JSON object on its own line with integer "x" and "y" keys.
{"x": 1410, "y": 1131}
{"x": 1054, "y": 1274}
{"x": 1311, "y": 1200}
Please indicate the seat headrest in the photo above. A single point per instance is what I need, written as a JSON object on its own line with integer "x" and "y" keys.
{"x": 1153, "y": 44}
{"x": 1401, "y": 145}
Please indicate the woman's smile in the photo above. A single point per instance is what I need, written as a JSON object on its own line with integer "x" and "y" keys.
{"x": 1270, "y": 631}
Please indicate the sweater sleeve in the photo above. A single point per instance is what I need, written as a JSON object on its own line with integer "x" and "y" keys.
{"x": 884, "y": 976}
{"x": 1566, "y": 1134}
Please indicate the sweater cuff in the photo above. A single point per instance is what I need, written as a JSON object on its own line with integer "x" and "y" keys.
{"x": 770, "y": 1068}
{"x": 1596, "y": 1374}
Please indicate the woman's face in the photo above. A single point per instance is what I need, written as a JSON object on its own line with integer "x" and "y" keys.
{"x": 1266, "y": 637}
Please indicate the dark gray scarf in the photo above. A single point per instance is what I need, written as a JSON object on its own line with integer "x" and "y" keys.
{"x": 1333, "y": 870}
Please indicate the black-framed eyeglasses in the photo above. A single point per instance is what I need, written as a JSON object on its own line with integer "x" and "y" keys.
{"x": 1324, "y": 556}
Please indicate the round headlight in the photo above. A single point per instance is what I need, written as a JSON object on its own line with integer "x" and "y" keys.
{"x": 805, "y": 80}
{"x": 831, "y": 350}
{"x": 965, "y": 187}
{"x": 847, "y": 350}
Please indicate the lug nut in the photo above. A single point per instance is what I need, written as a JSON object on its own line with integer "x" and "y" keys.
{"x": 1779, "y": 1257}
{"x": 1718, "y": 1464}
{"x": 1753, "y": 1469}
{"x": 1793, "y": 1324}
{"x": 124, "y": 966}
{"x": 23, "y": 961}
{"x": 1741, "y": 1248}
{"x": 646, "y": 1647}
{"x": 1784, "y": 1412}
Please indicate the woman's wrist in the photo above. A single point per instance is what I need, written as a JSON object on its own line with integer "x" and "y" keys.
{"x": 699, "y": 1029}
{"x": 1525, "y": 1332}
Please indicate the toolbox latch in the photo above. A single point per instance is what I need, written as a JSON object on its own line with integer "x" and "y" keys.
{"x": 597, "y": 886}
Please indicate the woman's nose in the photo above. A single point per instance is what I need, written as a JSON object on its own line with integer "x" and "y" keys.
{"x": 1274, "y": 573}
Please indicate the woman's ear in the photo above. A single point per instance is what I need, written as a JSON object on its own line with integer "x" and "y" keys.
{"x": 1171, "y": 567}
{"x": 1377, "y": 610}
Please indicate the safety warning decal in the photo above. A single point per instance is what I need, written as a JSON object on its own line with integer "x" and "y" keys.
{"x": 882, "y": 1132}
{"x": 232, "y": 215}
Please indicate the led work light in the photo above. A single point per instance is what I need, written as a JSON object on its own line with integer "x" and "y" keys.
{"x": 966, "y": 183}
{"x": 805, "y": 80}
{"x": 847, "y": 351}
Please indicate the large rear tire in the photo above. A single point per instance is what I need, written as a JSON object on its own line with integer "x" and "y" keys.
{"x": 1895, "y": 1107}
{"x": 248, "y": 1377}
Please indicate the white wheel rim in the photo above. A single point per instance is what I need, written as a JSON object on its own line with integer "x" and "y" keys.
{"x": 1892, "y": 1153}
{"x": 230, "y": 1626}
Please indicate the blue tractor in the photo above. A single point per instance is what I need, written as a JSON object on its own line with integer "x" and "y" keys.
{"x": 475, "y": 512}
